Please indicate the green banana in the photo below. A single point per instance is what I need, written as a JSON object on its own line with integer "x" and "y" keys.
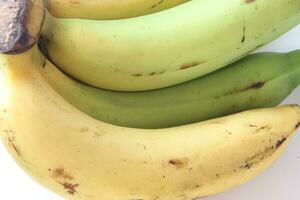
{"x": 109, "y": 9}
{"x": 168, "y": 47}
{"x": 261, "y": 80}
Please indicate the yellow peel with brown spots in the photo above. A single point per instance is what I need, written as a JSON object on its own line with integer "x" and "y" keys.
{"x": 85, "y": 159}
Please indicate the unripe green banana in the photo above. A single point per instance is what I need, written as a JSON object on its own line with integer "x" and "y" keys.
{"x": 108, "y": 9}
{"x": 85, "y": 159}
{"x": 168, "y": 47}
{"x": 261, "y": 80}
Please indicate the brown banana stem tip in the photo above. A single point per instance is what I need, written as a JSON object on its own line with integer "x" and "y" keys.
{"x": 20, "y": 24}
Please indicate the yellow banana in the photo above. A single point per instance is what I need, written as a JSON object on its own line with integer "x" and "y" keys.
{"x": 108, "y": 9}
{"x": 85, "y": 159}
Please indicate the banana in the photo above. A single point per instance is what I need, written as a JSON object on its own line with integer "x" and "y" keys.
{"x": 20, "y": 24}
{"x": 108, "y": 9}
{"x": 168, "y": 47}
{"x": 85, "y": 159}
{"x": 262, "y": 80}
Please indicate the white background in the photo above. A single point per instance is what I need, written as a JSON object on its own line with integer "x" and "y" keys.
{"x": 280, "y": 182}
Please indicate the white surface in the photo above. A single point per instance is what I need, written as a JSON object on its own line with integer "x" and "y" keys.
{"x": 280, "y": 182}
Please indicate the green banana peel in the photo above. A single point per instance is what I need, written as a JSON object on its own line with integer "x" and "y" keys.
{"x": 256, "y": 81}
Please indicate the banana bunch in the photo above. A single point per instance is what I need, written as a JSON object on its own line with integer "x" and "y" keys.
{"x": 192, "y": 139}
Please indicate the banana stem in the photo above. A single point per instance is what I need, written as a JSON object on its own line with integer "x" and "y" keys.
{"x": 20, "y": 24}
{"x": 10, "y": 14}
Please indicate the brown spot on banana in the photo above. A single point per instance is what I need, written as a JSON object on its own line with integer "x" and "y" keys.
{"x": 97, "y": 134}
{"x": 255, "y": 159}
{"x": 229, "y": 132}
{"x": 257, "y": 85}
{"x": 155, "y": 5}
{"x": 190, "y": 65}
{"x": 60, "y": 173}
{"x": 149, "y": 74}
{"x": 84, "y": 129}
{"x": 249, "y": 1}
{"x": 244, "y": 34}
{"x": 258, "y": 129}
{"x": 280, "y": 142}
{"x": 297, "y": 125}
{"x": 254, "y": 86}
{"x": 63, "y": 178}
{"x": 11, "y": 143}
{"x": 152, "y": 74}
{"x": 179, "y": 163}
{"x": 137, "y": 75}
{"x": 71, "y": 188}
{"x": 163, "y": 71}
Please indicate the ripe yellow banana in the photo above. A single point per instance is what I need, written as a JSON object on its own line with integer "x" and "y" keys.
{"x": 85, "y": 159}
{"x": 168, "y": 47}
{"x": 108, "y": 9}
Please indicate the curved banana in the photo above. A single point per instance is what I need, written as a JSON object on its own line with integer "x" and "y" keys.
{"x": 85, "y": 159}
{"x": 262, "y": 80}
{"x": 165, "y": 48}
{"x": 108, "y": 9}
